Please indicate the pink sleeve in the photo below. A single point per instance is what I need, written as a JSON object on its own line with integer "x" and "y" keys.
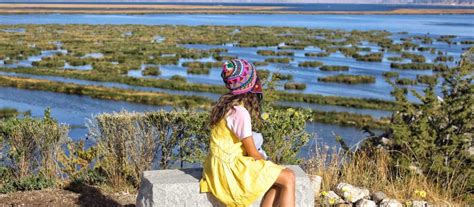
{"x": 239, "y": 122}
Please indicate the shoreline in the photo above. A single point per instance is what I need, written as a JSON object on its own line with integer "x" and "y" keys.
{"x": 137, "y": 9}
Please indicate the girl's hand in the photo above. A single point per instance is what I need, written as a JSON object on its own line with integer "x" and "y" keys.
{"x": 250, "y": 148}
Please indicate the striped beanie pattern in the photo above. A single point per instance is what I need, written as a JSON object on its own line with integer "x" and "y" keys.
{"x": 240, "y": 77}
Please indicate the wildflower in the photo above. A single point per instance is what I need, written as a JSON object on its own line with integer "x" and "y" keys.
{"x": 420, "y": 193}
{"x": 332, "y": 201}
{"x": 265, "y": 116}
{"x": 324, "y": 193}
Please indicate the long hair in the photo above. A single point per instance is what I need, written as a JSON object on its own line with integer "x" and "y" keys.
{"x": 226, "y": 102}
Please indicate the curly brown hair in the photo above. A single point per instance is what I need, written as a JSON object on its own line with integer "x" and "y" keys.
{"x": 226, "y": 102}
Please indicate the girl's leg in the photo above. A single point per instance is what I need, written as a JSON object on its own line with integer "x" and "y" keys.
{"x": 271, "y": 197}
{"x": 286, "y": 183}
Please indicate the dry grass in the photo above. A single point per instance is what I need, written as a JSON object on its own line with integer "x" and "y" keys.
{"x": 200, "y": 9}
{"x": 373, "y": 171}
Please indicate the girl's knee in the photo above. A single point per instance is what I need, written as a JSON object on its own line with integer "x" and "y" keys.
{"x": 288, "y": 177}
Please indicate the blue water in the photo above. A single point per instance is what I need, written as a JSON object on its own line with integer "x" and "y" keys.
{"x": 287, "y": 6}
{"x": 461, "y": 25}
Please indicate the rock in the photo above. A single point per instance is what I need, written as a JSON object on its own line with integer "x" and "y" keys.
{"x": 343, "y": 205}
{"x": 378, "y": 196}
{"x": 385, "y": 141}
{"x": 180, "y": 187}
{"x": 419, "y": 203}
{"x": 390, "y": 203}
{"x": 365, "y": 203}
{"x": 331, "y": 198}
{"x": 315, "y": 183}
{"x": 438, "y": 204}
{"x": 351, "y": 193}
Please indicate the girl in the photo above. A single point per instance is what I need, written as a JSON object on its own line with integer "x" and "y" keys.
{"x": 234, "y": 171}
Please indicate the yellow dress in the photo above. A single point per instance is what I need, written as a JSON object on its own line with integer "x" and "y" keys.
{"x": 233, "y": 178}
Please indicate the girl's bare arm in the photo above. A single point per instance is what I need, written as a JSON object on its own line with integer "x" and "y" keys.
{"x": 250, "y": 148}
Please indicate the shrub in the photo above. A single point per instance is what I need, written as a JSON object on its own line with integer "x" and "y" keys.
{"x": 415, "y": 58}
{"x": 258, "y": 63}
{"x": 128, "y": 143}
{"x": 295, "y": 86}
{"x": 7, "y": 113}
{"x": 279, "y": 60}
{"x": 427, "y": 79}
{"x": 312, "y": 64}
{"x": 263, "y": 74}
{"x": 33, "y": 146}
{"x": 434, "y": 137}
{"x": 318, "y": 54}
{"x": 178, "y": 78}
{"x": 419, "y": 66}
{"x": 284, "y": 134}
{"x": 151, "y": 70}
{"x": 394, "y": 58}
{"x": 371, "y": 57}
{"x": 275, "y": 53}
{"x": 348, "y": 79}
{"x": 391, "y": 74}
{"x": 334, "y": 68}
{"x": 405, "y": 81}
{"x": 443, "y": 58}
{"x": 281, "y": 76}
{"x": 31, "y": 182}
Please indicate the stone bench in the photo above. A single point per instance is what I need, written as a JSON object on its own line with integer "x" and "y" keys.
{"x": 181, "y": 188}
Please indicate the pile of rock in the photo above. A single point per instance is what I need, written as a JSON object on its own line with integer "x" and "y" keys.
{"x": 349, "y": 195}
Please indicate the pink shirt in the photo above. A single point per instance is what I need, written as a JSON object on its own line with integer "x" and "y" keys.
{"x": 239, "y": 122}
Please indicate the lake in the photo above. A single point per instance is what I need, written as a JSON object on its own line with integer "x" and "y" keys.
{"x": 461, "y": 25}
{"x": 74, "y": 109}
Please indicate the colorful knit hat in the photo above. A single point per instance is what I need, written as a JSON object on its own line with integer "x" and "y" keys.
{"x": 240, "y": 77}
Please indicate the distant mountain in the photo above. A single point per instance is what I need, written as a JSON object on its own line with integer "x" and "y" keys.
{"x": 453, "y": 2}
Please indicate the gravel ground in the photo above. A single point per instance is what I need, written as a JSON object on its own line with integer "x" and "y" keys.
{"x": 80, "y": 196}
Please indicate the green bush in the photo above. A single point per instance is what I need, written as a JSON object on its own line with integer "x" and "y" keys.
{"x": 34, "y": 145}
{"x": 8, "y": 113}
{"x": 128, "y": 143}
{"x": 312, "y": 64}
{"x": 318, "y": 54}
{"x": 279, "y": 60}
{"x": 31, "y": 182}
{"x": 419, "y": 66}
{"x": 178, "y": 78}
{"x": 348, "y": 79}
{"x": 371, "y": 57}
{"x": 405, "y": 81}
{"x": 151, "y": 70}
{"x": 295, "y": 86}
{"x": 334, "y": 68}
{"x": 281, "y": 76}
{"x": 391, "y": 74}
{"x": 427, "y": 79}
{"x": 434, "y": 137}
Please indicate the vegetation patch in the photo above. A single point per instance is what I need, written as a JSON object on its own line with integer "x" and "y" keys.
{"x": 334, "y": 68}
{"x": 348, "y": 79}
{"x": 317, "y": 54}
{"x": 310, "y": 64}
{"x": 391, "y": 74}
{"x": 151, "y": 71}
{"x": 275, "y": 53}
{"x": 295, "y": 86}
{"x": 405, "y": 81}
{"x": 419, "y": 66}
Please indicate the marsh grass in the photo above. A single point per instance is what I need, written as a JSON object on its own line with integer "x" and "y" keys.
{"x": 348, "y": 79}
{"x": 373, "y": 170}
